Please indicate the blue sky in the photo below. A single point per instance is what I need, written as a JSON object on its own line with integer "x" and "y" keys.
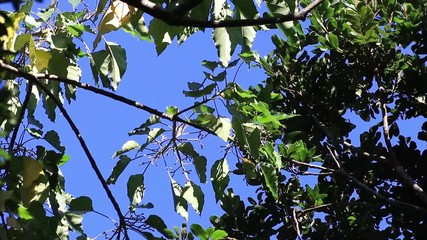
{"x": 157, "y": 81}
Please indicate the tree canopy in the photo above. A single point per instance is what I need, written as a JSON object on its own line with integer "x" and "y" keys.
{"x": 343, "y": 86}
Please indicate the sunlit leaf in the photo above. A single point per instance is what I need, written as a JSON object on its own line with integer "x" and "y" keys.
{"x": 194, "y": 195}
{"x": 181, "y": 206}
{"x": 128, "y": 146}
{"x": 135, "y": 188}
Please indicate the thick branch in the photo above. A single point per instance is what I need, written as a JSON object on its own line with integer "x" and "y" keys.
{"x": 34, "y": 80}
{"x": 175, "y": 18}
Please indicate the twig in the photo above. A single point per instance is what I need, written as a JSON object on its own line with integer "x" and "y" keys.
{"x": 174, "y": 19}
{"x": 398, "y": 168}
{"x": 20, "y": 117}
{"x": 35, "y": 81}
{"x": 296, "y": 226}
{"x": 111, "y": 95}
{"x": 200, "y": 103}
{"x": 178, "y": 155}
{"x": 390, "y": 201}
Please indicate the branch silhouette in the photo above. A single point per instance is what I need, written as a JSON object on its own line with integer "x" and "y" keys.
{"x": 175, "y": 17}
{"x": 35, "y": 80}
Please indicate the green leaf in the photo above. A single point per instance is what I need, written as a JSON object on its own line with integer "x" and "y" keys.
{"x": 172, "y": 110}
{"x": 219, "y": 234}
{"x": 220, "y": 177}
{"x": 198, "y": 230}
{"x": 118, "y": 169}
{"x": 144, "y": 128}
{"x": 333, "y": 40}
{"x": 128, "y": 146}
{"x": 52, "y": 138}
{"x": 135, "y": 188}
{"x": 109, "y": 65}
{"x": 118, "y": 63}
{"x": 24, "y": 213}
{"x": 200, "y": 163}
{"x": 180, "y": 203}
{"x": 222, "y": 128}
{"x": 271, "y": 178}
{"x": 210, "y": 65}
{"x": 81, "y": 205}
{"x": 277, "y": 8}
{"x": 222, "y": 42}
{"x": 157, "y": 223}
{"x": 194, "y": 195}
{"x": 200, "y": 92}
{"x": 254, "y": 142}
{"x": 163, "y": 34}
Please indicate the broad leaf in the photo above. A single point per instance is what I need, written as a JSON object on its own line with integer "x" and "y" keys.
{"x": 135, "y": 189}
{"x": 220, "y": 177}
{"x": 194, "y": 195}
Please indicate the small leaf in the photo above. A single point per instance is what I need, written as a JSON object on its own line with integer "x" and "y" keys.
{"x": 333, "y": 40}
{"x": 219, "y": 234}
{"x": 271, "y": 178}
{"x": 223, "y": 128}
{"x": 81, "y": 205}
{"x": 210, "y": 65}
{"x": 198, "y": 230}
{"x": 118, "y": 169}
{"x": 202, "y": 92}
{"x": 24, "y": 213}
{"x": 128, "y": 146}
{"x": 135, "y": 187}
{"x": 157, "y": 223}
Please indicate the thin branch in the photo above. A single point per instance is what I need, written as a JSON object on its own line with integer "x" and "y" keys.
{"x": 327, "y": 205}
{"x": 178, "y": 155}
{"x": 20, "y": 117}
{"x": 390, "y": 201}
{"x": 174, "y": 19}
{"x": 200, "y": 103}
{"x": 296, "y": 226}
{"x": 398, "y": 168}
{"x": 77, "y": 133}
{"x": 111, "y": 95}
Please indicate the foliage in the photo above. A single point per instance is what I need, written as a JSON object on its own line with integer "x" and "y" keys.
{"x": 351, "y": 64}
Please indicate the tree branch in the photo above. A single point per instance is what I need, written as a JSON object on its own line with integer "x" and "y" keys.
{"x": 175, "y": 18}
{"x": 111, "y": 95}
{"x": 35, "y": 80}
{"x": 20, "y": 117}
{"x": 392, "y": 202}
{"x": 398, "y": 168}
